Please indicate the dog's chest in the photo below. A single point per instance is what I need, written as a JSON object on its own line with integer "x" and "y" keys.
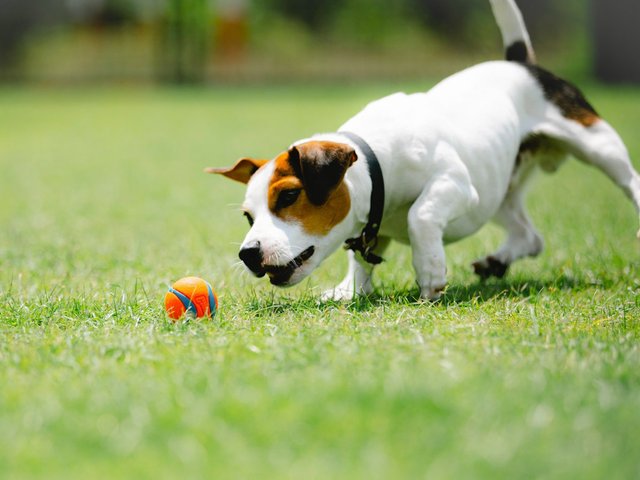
{"x": 395, "y": 224}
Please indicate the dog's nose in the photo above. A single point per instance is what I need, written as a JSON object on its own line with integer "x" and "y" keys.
{"x": 251, "y": 255}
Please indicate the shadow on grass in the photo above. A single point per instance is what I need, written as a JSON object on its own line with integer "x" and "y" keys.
{"x": 514, "y": 288}
{"x": 484, "y": 291}
{"x": 455, "y": 295}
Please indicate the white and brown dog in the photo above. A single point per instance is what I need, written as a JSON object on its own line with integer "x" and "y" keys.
{"x": 434, "y": 167}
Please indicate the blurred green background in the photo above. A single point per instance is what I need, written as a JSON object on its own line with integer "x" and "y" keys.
{"x": 253, "y": 41}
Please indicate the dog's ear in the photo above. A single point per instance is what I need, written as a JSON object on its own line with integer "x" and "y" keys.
{"x": 241, "y": 171}
{"x": 321, "y": 166}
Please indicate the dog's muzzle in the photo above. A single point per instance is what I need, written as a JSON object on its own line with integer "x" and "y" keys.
{"x": 251, "y": 255}
{"x": 279, "y": 275}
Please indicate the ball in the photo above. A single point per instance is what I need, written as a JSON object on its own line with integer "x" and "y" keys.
{"x": 190, "y": 296}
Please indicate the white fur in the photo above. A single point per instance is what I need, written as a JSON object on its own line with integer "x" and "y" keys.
{"x": 511, "y": 24}
{"x": 447, "y": 158}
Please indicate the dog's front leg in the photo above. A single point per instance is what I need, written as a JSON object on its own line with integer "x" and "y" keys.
{"x": 358, "y": 279}
{"x": 446, "y": 197}
{"x": 356, "y": 282}
{"x": 428, "y": 256}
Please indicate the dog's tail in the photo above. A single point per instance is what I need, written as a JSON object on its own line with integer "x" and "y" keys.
{"x": 515, "y": 37}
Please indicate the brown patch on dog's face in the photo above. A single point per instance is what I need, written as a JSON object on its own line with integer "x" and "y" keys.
{"x": 307, "y": 185}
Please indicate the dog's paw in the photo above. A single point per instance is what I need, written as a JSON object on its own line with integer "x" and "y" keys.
{"x": 343, "y": 293}
{"x": 490, "y": 267}
{"x": 338, "y": 295}
{"x": 432, "y": 294}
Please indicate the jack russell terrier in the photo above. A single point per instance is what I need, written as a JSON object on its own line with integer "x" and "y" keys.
{"x": 433, "y": 168}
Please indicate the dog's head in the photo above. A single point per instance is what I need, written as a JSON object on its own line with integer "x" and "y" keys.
{"x": 296, "y": 205}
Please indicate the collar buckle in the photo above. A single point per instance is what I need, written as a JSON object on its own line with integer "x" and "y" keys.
{"x": 364, "y": 247}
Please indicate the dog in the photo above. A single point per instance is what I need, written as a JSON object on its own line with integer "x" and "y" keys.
{"x": 426, "y": 169}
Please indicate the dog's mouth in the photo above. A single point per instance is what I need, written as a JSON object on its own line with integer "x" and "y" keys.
{"x": 279, "y": 275}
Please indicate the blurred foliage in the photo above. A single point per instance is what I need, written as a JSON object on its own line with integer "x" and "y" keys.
{"x": 440, "y": 35}
{"x": 457, "y": 20}
{"x": 185, "y": 41}
{"x": 18, "y": 18}
{"x": 184, "y": 37}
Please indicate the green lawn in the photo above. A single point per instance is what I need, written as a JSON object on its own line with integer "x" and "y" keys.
{"x": 104, "y": 205}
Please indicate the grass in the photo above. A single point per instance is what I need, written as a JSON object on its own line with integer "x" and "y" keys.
{"x": 104, "y": 205}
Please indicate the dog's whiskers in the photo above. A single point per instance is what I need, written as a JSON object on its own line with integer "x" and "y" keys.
{"x": 239, "y": 267}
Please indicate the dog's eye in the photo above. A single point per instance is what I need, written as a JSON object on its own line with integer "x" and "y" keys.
{"x": 287, "y": 198}
{"x": 249, "y": 218}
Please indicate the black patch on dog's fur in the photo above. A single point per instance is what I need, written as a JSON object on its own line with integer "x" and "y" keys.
{"x": 490, "y": 267}
{"x": 566, "y": 96}
{"x": 320, "y": 170}
{"x": 532, "y": 144}
{"x": 517, "y": 52}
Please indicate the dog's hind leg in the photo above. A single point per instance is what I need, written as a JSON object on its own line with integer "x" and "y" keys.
{"x": 523, "y": 240}
{"x": 601, "y": 146}
{"x": 574, "y": 123}
{"x": 357, "y": 282}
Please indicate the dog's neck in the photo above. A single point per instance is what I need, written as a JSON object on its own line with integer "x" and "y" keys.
{"x": 367, "y": 241}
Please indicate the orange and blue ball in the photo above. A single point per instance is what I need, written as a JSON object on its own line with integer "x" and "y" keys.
{"x": 191, "y": 297}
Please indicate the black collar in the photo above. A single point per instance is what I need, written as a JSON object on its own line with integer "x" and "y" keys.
{"x": 368, "y": 239}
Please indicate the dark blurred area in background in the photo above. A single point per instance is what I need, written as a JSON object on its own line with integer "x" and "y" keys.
{"x": 197, "y": 41}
